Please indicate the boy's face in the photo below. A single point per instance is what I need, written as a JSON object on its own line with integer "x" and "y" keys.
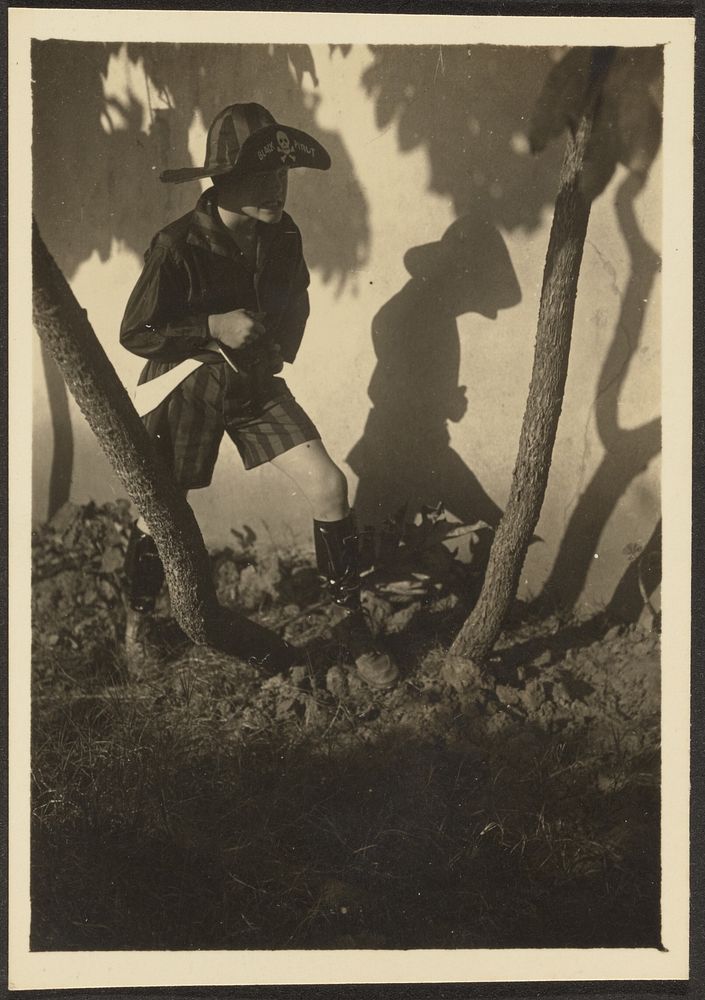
{"x": 260, "y": 196}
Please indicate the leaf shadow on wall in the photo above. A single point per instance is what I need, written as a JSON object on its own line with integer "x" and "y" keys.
{"x": 476, "y": 113}
{"x": 97, "y": 156}
{"x": 468, "y": 110}
{"x": 627, "y": 451}
{"x": 627, "y": 132}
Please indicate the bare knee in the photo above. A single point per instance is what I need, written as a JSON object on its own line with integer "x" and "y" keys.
{"x": 319, "y": 479}
{"x": 328, "y": 493}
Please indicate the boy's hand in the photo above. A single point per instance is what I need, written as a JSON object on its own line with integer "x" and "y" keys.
{"x": 235, "y": 329}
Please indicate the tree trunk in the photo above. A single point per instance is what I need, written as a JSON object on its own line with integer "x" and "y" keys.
{"x": 64, "y": 329}
{"x": 543, "y": 406}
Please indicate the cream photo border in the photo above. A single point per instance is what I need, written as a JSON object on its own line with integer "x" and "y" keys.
{"x": 56, "y": 971}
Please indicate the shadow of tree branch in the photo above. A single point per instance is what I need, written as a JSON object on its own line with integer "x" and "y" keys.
{"x": 628, "y": 451}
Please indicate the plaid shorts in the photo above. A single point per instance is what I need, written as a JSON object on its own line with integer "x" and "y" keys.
{"x": 262, "y": 420}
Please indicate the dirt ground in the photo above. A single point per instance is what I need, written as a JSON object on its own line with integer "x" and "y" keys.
{"x": 183, "y": 800}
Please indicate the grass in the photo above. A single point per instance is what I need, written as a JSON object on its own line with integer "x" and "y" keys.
{"x": 202, "y": 807}
{"x": 162, "y": 821}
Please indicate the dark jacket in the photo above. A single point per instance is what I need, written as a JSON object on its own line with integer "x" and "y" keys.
{"x": 193, "y": 269}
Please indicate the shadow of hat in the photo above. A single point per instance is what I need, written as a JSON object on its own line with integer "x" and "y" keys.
{"x": 471, "y": 252}
{"x": 247, "y": 138}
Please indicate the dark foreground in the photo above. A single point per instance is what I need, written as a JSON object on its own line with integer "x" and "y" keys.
{"x": 200, "y": 806}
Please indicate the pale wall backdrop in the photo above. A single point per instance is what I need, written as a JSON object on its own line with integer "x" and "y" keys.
{"x": 419, "y": 136}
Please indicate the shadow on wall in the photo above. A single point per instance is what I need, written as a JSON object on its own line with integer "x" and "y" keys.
{"x": 628, "y": 131}
{"x": 627, "y": 452}
{"x": 468, "y": 108}
{"x": 404, "y": 455}
{"x": 477, "y": 113}
{"x": 641, "y": 578}
{"x": 97, "y": 158}
{"x": 62, "y": 454}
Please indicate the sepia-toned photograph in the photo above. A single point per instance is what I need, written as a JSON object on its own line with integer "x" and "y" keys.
{"x": 345, "y": 375}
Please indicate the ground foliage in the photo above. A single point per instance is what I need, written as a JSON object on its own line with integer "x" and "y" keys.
{"x": 186, "y": 801}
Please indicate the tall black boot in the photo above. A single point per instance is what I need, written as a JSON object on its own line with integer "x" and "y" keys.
{"x": 144, "y": 571}
{"x": 145, "y": 640}
{"x": 338, "y": 562}
{"x": 144, "y": 576}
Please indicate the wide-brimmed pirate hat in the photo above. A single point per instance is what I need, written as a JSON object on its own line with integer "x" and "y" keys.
{"x": 246, "y": 138}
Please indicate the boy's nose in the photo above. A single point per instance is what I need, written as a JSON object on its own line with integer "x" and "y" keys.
{"x": 277, "y": 183}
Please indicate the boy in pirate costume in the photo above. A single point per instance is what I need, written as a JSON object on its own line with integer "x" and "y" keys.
{"x": 220, "y": 305}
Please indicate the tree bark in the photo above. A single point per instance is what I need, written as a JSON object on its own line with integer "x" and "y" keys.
{"x": 543, "y": 406}
{"x": 64, "y": 329}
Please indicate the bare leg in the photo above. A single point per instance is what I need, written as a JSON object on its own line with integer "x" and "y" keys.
{"x": 325, "y": 487}
{"x": 316, "y": 475}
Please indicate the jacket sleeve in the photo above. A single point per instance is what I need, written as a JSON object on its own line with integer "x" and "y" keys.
{"x": 293, "y": 323}
{"x": 157, "y": 323}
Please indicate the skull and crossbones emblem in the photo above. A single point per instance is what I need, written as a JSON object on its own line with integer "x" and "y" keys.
{"x": 286, "y": 153}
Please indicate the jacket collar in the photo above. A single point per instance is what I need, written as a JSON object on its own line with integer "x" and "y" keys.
{"x": 207, "y": 230}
